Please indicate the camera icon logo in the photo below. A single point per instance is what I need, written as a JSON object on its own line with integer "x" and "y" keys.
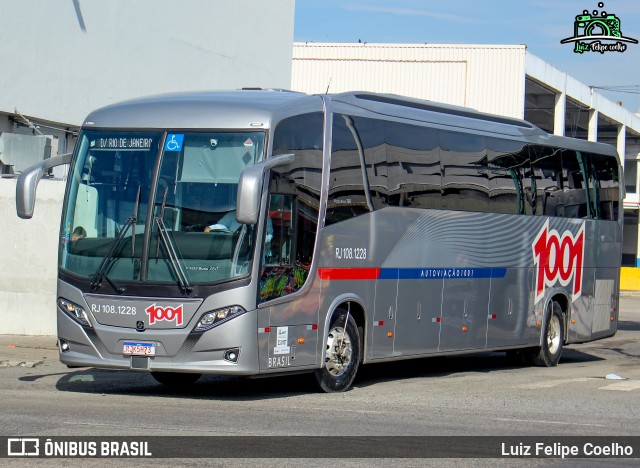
{"x": 597, "y": 26}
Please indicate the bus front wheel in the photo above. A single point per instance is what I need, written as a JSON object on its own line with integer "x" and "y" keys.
{"x": 342, "y": 356}
{"x": 549, "y": 353}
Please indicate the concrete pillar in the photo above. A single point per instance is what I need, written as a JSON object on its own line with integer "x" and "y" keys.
{"x": 638, "y": 245}
{"x": 635, "y": 162}
{"x": 622, "y": 149}
{"x": 593, "y": 125}
{"x": 621, "y": 142}
{"x": 560, "y": 113}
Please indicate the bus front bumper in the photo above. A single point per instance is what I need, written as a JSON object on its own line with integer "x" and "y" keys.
{"x": 228, "y": 349}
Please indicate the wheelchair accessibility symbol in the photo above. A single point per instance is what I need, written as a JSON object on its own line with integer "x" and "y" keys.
{"x": 174, "y": 142}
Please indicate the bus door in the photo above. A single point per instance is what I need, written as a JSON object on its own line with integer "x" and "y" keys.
{"x": 288, "y": 331}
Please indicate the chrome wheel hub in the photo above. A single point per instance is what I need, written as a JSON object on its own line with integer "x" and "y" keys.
{"x": 553, "y": 334}
{"x": 339, "y": 351}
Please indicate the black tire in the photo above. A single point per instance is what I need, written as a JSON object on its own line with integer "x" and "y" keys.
{"x": 175, "y": 379}
{"x": 549, "y": 353}
{"x": 343, "y": 354}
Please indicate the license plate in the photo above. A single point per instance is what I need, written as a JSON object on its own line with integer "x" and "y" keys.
{"x": 139, "y": 348}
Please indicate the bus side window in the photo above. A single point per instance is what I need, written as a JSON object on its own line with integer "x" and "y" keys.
{"x": 288, "y": 247}
{"x": 574, "y": 185}
{"x": 547, "y": 197}
{"x": 465, "y": 175}
{"x": 372, "y": 135}
{"x": 509, "y": 176}
{"x": 413, "y": 164}
{"x": 347, "y": 196}
{"x": 279, "y": 236}
{"x": 604, "y": 186}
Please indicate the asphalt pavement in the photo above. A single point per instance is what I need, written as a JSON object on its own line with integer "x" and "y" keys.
{"x": 27, "y": 351}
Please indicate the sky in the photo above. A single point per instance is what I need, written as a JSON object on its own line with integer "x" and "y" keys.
{"x": 539, "y": 24}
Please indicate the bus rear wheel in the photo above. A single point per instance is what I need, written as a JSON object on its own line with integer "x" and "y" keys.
{"x": 342, "y": 356}
{"x": 549, "y": 353}
{"x": 175, "y": 379}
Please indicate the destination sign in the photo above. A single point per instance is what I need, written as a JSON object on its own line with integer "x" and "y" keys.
{"x": 122, "y": 143}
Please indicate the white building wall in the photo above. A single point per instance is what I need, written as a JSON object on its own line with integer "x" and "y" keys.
{"x": 59, "y": 60}
{"x": 62, "y": 59}
{"x": 484, "y": 77}
{"x": 29, "y": 261}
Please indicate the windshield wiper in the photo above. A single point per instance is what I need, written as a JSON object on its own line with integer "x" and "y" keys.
{"x": 133, "y": 225}
{"x": 101, "y": 272}
{"x": 169, "y": 247}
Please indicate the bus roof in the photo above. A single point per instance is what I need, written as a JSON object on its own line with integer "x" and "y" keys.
{"x": 262, "y": 109}
{"x": 240, "y": 109}
{"x": 464, "y": 119}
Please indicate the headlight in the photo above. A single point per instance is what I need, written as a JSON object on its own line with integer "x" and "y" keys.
{"x": 74, "y": 311}
{"x": 216, "y": 317}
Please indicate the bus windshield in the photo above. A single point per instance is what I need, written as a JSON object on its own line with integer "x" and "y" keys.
{"x": 189, "y": 234}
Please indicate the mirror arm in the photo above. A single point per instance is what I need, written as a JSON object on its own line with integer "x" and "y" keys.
{"x": 250, "y": 187}
{"x": 28, "y": 183}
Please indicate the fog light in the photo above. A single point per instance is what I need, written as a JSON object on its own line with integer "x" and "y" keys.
{"x": 64, "y": 345}
{"x": 232, "y": 355}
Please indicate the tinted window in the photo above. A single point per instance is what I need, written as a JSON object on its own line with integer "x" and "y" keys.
{"x": 574, "y": 186}
{"x": 604, "y": 186}
{"x": 465, "y": 172}
{"x": 347, "y": 197}
{"x": 302, "y": 135}
{"x": 372, "y": 135}
{"x": 402, "y": 163}
{"x": 413, "y": 166}
{"x": 409, "y": 165}
{"x": 546, "y": 195}
{"x": 509, "y": 177}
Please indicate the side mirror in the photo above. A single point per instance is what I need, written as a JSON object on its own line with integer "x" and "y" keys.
{"x": 28, "y": 183}
{"x": 250, "y": 187}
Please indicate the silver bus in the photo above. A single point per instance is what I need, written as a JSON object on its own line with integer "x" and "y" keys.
{"x": 260, "y": 232}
